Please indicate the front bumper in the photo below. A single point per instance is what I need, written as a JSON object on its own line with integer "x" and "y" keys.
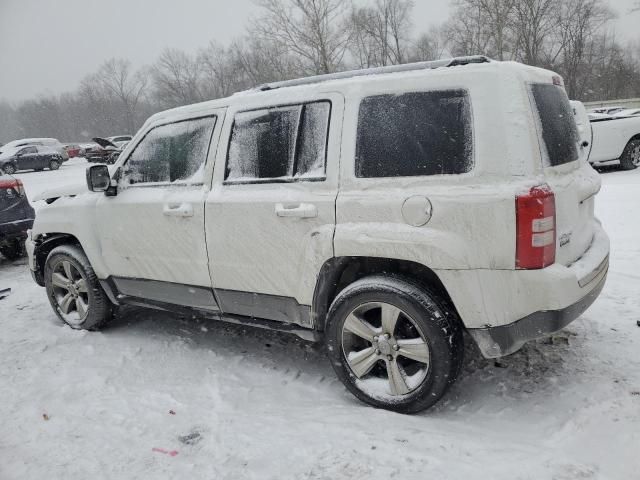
{"x": 506, "y": 339}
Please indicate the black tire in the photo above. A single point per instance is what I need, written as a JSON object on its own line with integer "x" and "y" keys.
{"x": 9, "y": 168}
{"x": 54, "y": 164}
{"x": 438, "y": 324}
{"x": 630, "y": 158}
{"x": 12, "y": 249}
{"x": 99, "y": 309}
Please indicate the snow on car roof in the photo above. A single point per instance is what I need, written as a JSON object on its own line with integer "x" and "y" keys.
{"x": 280, "y": 92}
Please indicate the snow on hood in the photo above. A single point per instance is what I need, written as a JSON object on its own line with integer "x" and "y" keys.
{"x": 68, "y": 190}
{"x": 104, "y": 143}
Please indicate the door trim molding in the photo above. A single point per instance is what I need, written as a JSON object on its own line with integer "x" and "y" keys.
{"x": 250, "y": 305}
{"x": 262, "y": 305}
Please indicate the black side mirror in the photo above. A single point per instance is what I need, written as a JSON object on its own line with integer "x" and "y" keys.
{"x": 98, "y": 178}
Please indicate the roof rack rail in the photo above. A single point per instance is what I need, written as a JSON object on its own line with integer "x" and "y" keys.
{"x": 406, "y": 67}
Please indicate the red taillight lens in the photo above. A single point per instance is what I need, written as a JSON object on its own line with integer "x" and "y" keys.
{"x": 536, "y": 228}
{"x": 13, "y": 184}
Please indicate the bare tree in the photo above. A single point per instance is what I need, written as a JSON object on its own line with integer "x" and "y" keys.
{"x": 121, "y": 83}
{"x": 314, "y": 31}
{"x": 428, "y": 46}
{"x": 535, "y": 23}
{"x": 467, "y": 32}
{"x": 176, "y": 78}
{"x": 580, "y": 22}
{"x": 381, "y": 33}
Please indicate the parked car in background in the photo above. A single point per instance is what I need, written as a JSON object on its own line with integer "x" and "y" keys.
{"x": 381, "y": 214}
{"x": 49, "y": 142}
{"x": 74, "y": 150}
{"x": 607, "y": 110}
{"x": 627, "y": 112}
{"x": 105, "y": 151}
{"x": 16, "y": 217}
{"x": 120, "y": 140}
{"x": 584, "y": 126}
{"x": 616, "y": 140}
{"x": 30, "y": 157}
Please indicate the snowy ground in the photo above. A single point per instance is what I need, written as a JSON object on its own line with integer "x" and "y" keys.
{"x": 266, "y": 405}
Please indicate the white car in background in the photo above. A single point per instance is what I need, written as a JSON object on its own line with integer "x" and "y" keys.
{"x": 120, "y": 140}
{"x": 607, "y": 110}
{"x": 627, "y": 112}
{"x": 616, "y": 140}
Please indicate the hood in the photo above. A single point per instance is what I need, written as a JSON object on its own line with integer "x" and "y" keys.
{"x": 68, "y": 190}
{"x": 104, "y": 143}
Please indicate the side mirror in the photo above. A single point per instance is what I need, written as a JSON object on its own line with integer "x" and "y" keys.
{"x": 98, "y": 178}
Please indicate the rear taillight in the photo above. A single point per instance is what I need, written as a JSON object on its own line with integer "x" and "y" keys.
{"x": 16, "y": 185}
{"x": 536, "y": 228}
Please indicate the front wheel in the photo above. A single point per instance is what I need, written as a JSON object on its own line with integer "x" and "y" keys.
{"x": 54, "y": 164}
{"x": 630, "y": 158}
{"x": 9, "y": 168}
{"x": 393, "y": 343}
{"x": 74, "y": 290}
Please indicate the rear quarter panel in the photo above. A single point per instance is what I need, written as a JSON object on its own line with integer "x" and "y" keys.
{"x": 473, "y": 216}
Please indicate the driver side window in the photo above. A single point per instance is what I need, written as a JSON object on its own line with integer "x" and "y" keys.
{"x": 175, "y": 152}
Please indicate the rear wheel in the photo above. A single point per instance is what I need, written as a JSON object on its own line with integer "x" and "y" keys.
{"x": 393, "y": 343}
{"x": 9, "y": 168}
{"x": 54, "y": 164}
{"x": 630, "y": 158}
{"x": 12, "y": 249}
{"x": 74, "y": 290}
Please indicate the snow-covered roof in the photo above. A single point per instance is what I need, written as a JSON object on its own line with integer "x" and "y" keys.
{"x": 279, "y": 91}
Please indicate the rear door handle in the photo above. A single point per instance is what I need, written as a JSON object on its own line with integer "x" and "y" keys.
{"x": 300, "y": 210}
{"x": 178, "y": 210}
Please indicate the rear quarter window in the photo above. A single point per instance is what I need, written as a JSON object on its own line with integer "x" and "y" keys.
{"x": 557, "y": 124}
{"x": 413, "y": 134}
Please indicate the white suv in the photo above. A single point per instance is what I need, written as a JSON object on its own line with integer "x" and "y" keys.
{"x": 383, "y": 212}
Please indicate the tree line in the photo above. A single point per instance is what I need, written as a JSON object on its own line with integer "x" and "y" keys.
{"x": 293, "y": 38}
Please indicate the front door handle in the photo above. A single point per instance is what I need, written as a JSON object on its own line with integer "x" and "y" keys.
{"x": 300, "y": 210}
{"x": 178, "y": 210}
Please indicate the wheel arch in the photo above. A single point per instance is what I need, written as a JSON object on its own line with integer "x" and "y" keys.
{"x": 339, "y": 272}
{"x": 43, "y": 247}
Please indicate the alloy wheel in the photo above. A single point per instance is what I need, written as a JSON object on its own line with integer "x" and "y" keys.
{"x": 385, "y": 349}
{"x": 70, "y": 292}
{"x": 635, "y": 155}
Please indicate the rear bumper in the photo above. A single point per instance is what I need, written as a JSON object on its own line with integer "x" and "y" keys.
{"x": 506, "y": 339}
{"x": 503, "y": 309}
{"x": 16, "y": 229}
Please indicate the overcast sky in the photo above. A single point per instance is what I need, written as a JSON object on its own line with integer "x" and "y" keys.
{"x": 47, "y": 46}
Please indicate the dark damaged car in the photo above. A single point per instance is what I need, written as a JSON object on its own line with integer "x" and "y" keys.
{"x": 105, "y": 151}
{"x": 16, "y": 217}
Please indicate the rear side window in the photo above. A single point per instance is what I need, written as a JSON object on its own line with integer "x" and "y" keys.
{"x": 280, "y": 144}
{"x": 174, "y": 152}
{"x": 419, "y": 133}
{"x": 559, "y": 131}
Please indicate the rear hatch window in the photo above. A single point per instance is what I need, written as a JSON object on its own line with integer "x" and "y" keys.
{"x": 574, "y": 188}
{"x": 557, "y": 124}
